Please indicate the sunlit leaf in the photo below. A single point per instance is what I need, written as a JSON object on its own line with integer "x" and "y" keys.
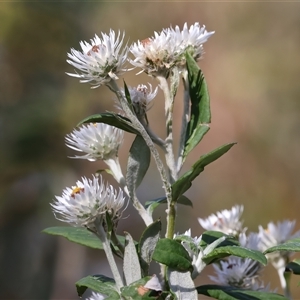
{"x": 185, "y": 181}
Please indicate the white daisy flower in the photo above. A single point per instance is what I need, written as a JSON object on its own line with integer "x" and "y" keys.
{"x": 98, "y": 141}
{"x": 226, "y": 221}
{"x": 238, "y": 272}
{"x": 274, "y": 235}
{"x": 100, "y": 60}
{"x": 155, "y": 55}
{"x": 87, "y": 202}
{"x": 190, "y": 39}
{"x": 251, "y": 241}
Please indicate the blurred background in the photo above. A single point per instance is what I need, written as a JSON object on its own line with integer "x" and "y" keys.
{"x": 252, "y": 66}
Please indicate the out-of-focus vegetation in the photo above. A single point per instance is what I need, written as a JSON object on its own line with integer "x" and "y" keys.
{"x": 252, "y": 67}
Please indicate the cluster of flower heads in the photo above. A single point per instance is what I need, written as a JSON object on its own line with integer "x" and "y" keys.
{"x": 241, "y": 272}
{"x": 86, "y": 203}
{"x": 103, "y": 58}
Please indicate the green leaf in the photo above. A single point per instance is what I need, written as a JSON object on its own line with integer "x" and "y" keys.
{"x": 152, "y": 204}
{"x": 128, "y": 97}
{"x": 100, "y": 284}
{"x": 148, "y": 243}
{"x": 195, "y": 138}
{"x": 221, "y": 252}
{"x": 110, "y": 119}
{"x": 131, "y": 264}
{"x": 208, "y": 237}
{"x": 293, "y": 266}
{"x": 231, "y": 293}
{"x": 138, "y": 163}
{"x": 292, "y": 246}
{"x": 185, "y": 181}
{"x": 77, "y": 235}
{"x": 172, "y": 254}
{"x": 135, "y": 290}
{"x": 200, "y": 115}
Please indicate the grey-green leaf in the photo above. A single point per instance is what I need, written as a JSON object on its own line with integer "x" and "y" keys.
{"x": 293, "y": 266}
{"x": 131, "y": 264}
{"x": 138, "y": 163}
{"x": 152, "y": 204}
{"x": 185, "y": 181}
{"x": 110, "y": 119}
{"x": 135, "y": 291}
{"x": 292, "y": 246}
{"x": 148, "y": 243}
{"x": 230, "y": 293}
{"x": 200, "y": 115}
{"x": 182, "y": 285}
{"x": 172, "y": 254}
{"x": 200, "y": 108}
{"x": 77, "y": 235}
{"x": 221, "y": 252}
{"x": 98, "y": 283}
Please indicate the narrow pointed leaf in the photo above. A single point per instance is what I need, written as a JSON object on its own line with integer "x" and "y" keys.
{"x": 131, "y": 264}
{"x": 195, "y": 138}
{"x": 138, "y": 163}
{"x": 221, "y": 252}
{"x": 77, "y": 235}
{"x": 185, "y": 181}
{"x": 292, "y": 246}
{"x": 127, "y": 95}
{"x": 182, "y": 285}
{"x": 230, "y": 293}
{"x": 100, "y": 284}
{"x": 152, "y": 204}
{"x": 200, "y": 115}
{"x": 293, "y": 266}
{"x": 200, "y": 108}
{"x": 172, "y": 254}
{"x": 148, "y": 243}
{"x": 110, "y": 119}
{"x": 208, "y": 237}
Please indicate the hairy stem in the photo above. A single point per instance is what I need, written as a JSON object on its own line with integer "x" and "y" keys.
{"x": 184, "y": 122}
{"x": 111, "y": 260}
{"x": 138, "y": 126}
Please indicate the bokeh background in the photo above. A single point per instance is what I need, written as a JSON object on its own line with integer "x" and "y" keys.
{"x": 252, "y": 66}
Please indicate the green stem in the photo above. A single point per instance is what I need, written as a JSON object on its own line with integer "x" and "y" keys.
{"x": 111, "y": 260}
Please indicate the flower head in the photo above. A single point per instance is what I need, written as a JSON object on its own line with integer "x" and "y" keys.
{"x": 98, "y": 141}
{"x": 274, "y": 235}
{"x": 87, "y": 202}
{"x": 238, "y": 272}
{"x": 99, "y": 61}
{"x": 226, "y": 221}
{"x": 157, "y": 55}
{"x": 141, "y": 98}
{"x": 190, "y": 39}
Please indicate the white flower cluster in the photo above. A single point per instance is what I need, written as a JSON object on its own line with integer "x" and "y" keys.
{"x": 157, "y": 55}
{"x": 103, "y": 59}
{"x": 241, "y": 272}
